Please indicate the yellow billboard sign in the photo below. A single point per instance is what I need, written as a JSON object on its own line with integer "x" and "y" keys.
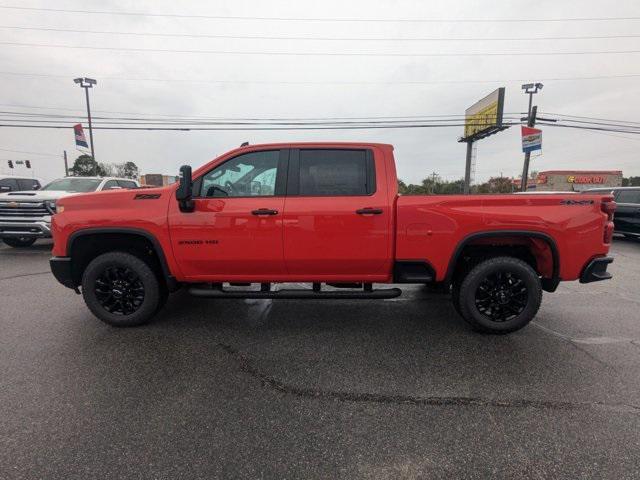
{"x": 485, "y": 116}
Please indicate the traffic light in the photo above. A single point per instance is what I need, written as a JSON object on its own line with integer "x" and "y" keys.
{"x": 27, "y": 163}
{"x": 10, "y": 162}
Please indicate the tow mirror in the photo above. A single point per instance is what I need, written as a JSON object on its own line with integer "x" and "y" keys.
{"x": 184, "y": 193}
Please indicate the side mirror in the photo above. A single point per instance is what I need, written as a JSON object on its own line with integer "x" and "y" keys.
{"x": 184, "y": 193}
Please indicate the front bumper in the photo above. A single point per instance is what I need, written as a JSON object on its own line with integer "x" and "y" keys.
{"x": 17, "y": 227}
{"x": 596, "y": 270}
{"x": 61, "y": 269}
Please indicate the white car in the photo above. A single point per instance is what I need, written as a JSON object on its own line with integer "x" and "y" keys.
{"x": 25, "y": 216}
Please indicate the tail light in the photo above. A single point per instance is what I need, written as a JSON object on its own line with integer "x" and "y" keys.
{"x": 608, "y": 206}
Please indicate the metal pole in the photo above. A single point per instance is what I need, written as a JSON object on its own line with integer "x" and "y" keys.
{"x": 467, "y": 168}
{"x": 525, "y": 170}
{"x": 66, "y": 165}
{"x": 93, "y": 155}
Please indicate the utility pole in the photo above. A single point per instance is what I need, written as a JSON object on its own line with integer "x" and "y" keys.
{"x": 88, "y": 83}
{"x": 66, "y": 165}
{"x": 434, "y": 175}
{"x": 531, "y": 89}
{"x": 467, "y": 168}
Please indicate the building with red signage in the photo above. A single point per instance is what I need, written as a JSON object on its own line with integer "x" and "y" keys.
{"x": 577, "y": 180}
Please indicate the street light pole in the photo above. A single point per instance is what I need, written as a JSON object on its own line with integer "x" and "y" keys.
{"x": 88, "y": 83}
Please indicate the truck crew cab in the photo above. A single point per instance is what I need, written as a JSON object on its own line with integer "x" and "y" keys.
{"x": 323, "y": 213}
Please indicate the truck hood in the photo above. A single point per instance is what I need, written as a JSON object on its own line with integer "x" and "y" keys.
{"x": 34, "y": 195}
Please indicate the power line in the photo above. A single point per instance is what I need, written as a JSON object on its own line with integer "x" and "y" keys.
{"x": 29, "y": 153}
{"x": 323, "y": 54}
{"x": 252, "y": 128}
{"x": 589, "y": 118}
{"x": 329, "y": 82}
{"x": 355, "y": 39}
{"x": 310, "y": 19}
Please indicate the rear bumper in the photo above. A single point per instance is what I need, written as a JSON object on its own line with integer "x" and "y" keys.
{"x": 596, "y": 270}
{"x": 61, "y": 269}
{"x": 24, "y": 228}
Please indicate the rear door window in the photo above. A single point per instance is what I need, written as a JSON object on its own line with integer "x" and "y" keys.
{"x": 628, "y": 196}
{"x": 127, "y": 184}
{"x": 26, "y": 184}
{"x": 335, "y": 172}
{"x": 9, "y": 185}
{"x": 110, "y": 184}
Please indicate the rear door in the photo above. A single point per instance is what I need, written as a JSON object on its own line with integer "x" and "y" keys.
{"x": 337, "y": 221}
{"x": 627, "y": 215}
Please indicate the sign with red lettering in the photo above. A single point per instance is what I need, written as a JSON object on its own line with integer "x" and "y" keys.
{"x": 597, "y": 179}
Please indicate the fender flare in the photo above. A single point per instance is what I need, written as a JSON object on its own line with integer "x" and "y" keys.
{"x": 170, "y": 279}
{"x": 549, "y": 284}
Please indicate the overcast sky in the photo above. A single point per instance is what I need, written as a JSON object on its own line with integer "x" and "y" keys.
{"x": 337, "y": 86}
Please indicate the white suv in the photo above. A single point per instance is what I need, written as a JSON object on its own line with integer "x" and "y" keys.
{"x": 25, "y": 216}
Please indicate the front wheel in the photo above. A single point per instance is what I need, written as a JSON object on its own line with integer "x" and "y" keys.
{"x": 500, "y": 295}
{"x": 121, "y": 289}
{"x": 19, "y": 242}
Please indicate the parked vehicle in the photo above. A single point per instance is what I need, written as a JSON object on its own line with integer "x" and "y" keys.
{"x": 324, "y": 213}
{"x": 627, "y": 216}
{"x": 13, "y": 184}
{"x": 25, "y": 215}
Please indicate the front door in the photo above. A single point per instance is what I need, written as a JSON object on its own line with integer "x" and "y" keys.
{"x": 337, "y": 219}
{"x": 235, "y": 231}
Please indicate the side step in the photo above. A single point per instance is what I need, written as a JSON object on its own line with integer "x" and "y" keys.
{"x": 316, "y": 293}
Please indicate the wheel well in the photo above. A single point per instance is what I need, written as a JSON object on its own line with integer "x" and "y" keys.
{"x": 85, "y": 248}
{"x": 536, "y": 252}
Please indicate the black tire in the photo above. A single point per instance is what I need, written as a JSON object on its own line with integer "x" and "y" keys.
{"x": 19, "y": 242}
{"x": 121, "y": 289}
{"x": 500, "y": 295}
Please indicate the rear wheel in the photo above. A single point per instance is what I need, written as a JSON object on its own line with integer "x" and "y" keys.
{"x": 500, "y": 295}
{"x": 19, "y": 242}
{"x": 121, "y": 289}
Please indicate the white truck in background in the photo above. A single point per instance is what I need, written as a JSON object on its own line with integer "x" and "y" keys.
{"x": 25, "y": 215}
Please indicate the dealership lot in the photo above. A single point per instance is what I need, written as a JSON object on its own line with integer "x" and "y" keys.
{"x": 318, "y": 389}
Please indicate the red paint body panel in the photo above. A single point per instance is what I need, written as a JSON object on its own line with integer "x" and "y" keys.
{"x": 323, "y": 239}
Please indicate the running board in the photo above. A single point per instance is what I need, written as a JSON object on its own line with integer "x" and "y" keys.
{"x": 296, "y": 294}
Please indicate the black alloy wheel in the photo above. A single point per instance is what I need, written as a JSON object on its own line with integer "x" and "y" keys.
{"x": 122, "y": 289}
{"x": 119, "y": 290}
{"x": 501, "y": 296}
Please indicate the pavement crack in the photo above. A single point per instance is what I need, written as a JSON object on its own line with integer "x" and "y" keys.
{"x": 48, "y": 272}
{"x": 365, "y": 397}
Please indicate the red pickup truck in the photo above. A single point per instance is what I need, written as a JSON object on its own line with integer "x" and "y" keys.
{"x": 324, "y": 213}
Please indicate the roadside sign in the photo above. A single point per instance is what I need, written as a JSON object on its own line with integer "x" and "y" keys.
{"x": 531, "y": 139}
{"x": 484, "y": 117}
{"x": 81, "y": 140}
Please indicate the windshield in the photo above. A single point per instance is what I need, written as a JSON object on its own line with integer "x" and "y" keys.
{"x": 74, "y": 185}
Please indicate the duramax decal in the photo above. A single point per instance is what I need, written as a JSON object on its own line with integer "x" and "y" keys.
{"x": 197, "y": 242}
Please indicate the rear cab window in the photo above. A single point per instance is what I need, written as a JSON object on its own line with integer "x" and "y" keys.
{"x": 628, "y": 196}
{"x": 332, "y": 172}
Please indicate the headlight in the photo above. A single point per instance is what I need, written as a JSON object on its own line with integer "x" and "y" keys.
{"x": 51, "y": 206}
{"x": 59, "y": 208}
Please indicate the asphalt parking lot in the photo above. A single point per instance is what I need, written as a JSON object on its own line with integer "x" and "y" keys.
{"x": 318, "y": 389}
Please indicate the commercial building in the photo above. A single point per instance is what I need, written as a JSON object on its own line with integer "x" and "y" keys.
{"x": 157, "y": 180}
{"x": 577, "y": 180}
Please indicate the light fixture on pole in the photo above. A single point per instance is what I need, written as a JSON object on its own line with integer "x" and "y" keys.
{"x": 88, "y": 83}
